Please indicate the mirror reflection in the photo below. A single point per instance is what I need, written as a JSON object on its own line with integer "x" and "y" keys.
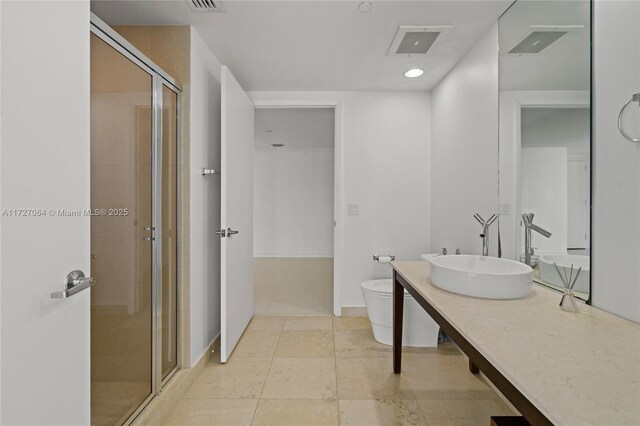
{"x": 545, "y": 139}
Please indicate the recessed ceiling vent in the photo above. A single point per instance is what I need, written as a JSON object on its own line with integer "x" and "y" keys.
{"x": 277, "y": 145}
{"x": 417, "y": 41}
{"x": 539, "y": 37}
{"x": 206, "y": 5}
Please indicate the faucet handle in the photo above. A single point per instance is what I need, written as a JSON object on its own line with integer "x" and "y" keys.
{"x": 458, "y": 251}
{"x": 444, "y": 250}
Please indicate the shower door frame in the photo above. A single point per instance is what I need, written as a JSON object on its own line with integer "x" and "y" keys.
{"x": 160, "y": 79}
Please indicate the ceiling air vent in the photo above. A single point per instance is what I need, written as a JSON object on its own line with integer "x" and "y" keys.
{"x": 206, "y": 5}
{"x": 539, "y": 37}
{"x": 417, "y": 41}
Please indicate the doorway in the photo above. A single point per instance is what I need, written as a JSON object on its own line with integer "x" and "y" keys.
{"x": 134, "y": 140}
{"x": 294, "y": 210}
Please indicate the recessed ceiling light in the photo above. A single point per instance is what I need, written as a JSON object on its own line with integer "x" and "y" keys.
{"x": 413, "y": 72}
{"x": 365, "y": 7}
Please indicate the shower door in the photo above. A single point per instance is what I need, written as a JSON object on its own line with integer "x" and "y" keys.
{"x": 134, "y": 133}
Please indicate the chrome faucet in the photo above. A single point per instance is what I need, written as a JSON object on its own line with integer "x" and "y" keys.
{"x": 485, "y": 231}
{"x": 527, "y": 219}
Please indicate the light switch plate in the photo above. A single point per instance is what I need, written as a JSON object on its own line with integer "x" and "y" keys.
{"x": 353, "y": 209}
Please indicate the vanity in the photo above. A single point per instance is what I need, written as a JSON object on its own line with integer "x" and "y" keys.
{"x": 555, "y": 367}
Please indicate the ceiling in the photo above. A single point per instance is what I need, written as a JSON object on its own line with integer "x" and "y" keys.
{"x": 296, "y": 128}
{"x": 564, "y": 65}
{"x": 319, "y": 45}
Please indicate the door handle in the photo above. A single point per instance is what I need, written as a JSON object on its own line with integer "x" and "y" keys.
{"x": 74, "y": 283}
{"x": 231, "y": 231}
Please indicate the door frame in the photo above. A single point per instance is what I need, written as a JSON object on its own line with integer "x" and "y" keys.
{"x": 510, "y": 144}
{"x": 511, "y": 104}
{"x": 160, "y": 79}
{"x": 338, "y": 172}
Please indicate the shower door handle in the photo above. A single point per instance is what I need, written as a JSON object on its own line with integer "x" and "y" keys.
{"x": 74, "y": 283}
{"x": 231, "y": 231}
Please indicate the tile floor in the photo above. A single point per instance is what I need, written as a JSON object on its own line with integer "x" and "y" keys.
{"x": 320, "y": 370}
{"x": 293, "y": 285}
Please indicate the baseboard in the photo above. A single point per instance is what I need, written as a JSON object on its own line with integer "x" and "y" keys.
{"x": 158, "y": 411}
{"x": 354, "y": 311}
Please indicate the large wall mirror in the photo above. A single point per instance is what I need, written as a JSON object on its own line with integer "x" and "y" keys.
{"x": 545, "y": 138}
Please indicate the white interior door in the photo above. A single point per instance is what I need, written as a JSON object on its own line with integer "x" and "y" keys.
{"x": 237, "y": 213}
{"x": 45, "y": 235}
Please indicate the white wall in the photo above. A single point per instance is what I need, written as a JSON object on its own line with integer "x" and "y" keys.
{"x": 553, "y": 127}
{"x": 616, "y": 163}
{"x": 293, "y": 185}
{"x": 464, "y": 153}
{"x": 45, "y": 161}
{"x": 385, "y": 168}
{"x": 293, "y": 201}
{"x": 544, "y": 188}
{"x": 204, "y": 244}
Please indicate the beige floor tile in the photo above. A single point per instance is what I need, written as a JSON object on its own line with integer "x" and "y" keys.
{"x": 359, "y": 344}
{"x": 223, "y": 412}
{"x": 310, "y": 278}
{"x": 257, "y": 344}
{"x": 301, "y": 267}
{"x": 328, "y": 297}
{"x": 308, "y": 323}
{"x": 298, "y": 300}
{"x": 293, "y": 285}
{"x": 444, "y": 377}
{"x": 462, "y": 412}
{"x": 264, "y": 293}
{"x": 383, "y": 413}
{"x": 306, "y": 378}
{"x": 296, "y": 412}
{"x": 267, "y": 322}
{"x": 261, "y": 306}
{"x": 370, "y": 378}
{"x": 238, "y": 378}
{"x": 306, "y": 343}
{"x": 351, "y": 323}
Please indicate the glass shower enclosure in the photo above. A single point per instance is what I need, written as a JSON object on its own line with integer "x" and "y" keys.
{"x": 134, "y": 147}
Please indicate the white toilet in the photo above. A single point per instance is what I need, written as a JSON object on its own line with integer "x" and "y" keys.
{"x": 418, "y": 330}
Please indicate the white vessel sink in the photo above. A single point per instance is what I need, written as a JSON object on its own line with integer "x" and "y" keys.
{"x": 482, "y": 276}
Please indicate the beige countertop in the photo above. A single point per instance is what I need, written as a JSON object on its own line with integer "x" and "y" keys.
{"x": 577, "y": 369}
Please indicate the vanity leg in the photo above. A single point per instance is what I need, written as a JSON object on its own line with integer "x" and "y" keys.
{"x": 473, "y": 368}
{"x": 398, "y": 306}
